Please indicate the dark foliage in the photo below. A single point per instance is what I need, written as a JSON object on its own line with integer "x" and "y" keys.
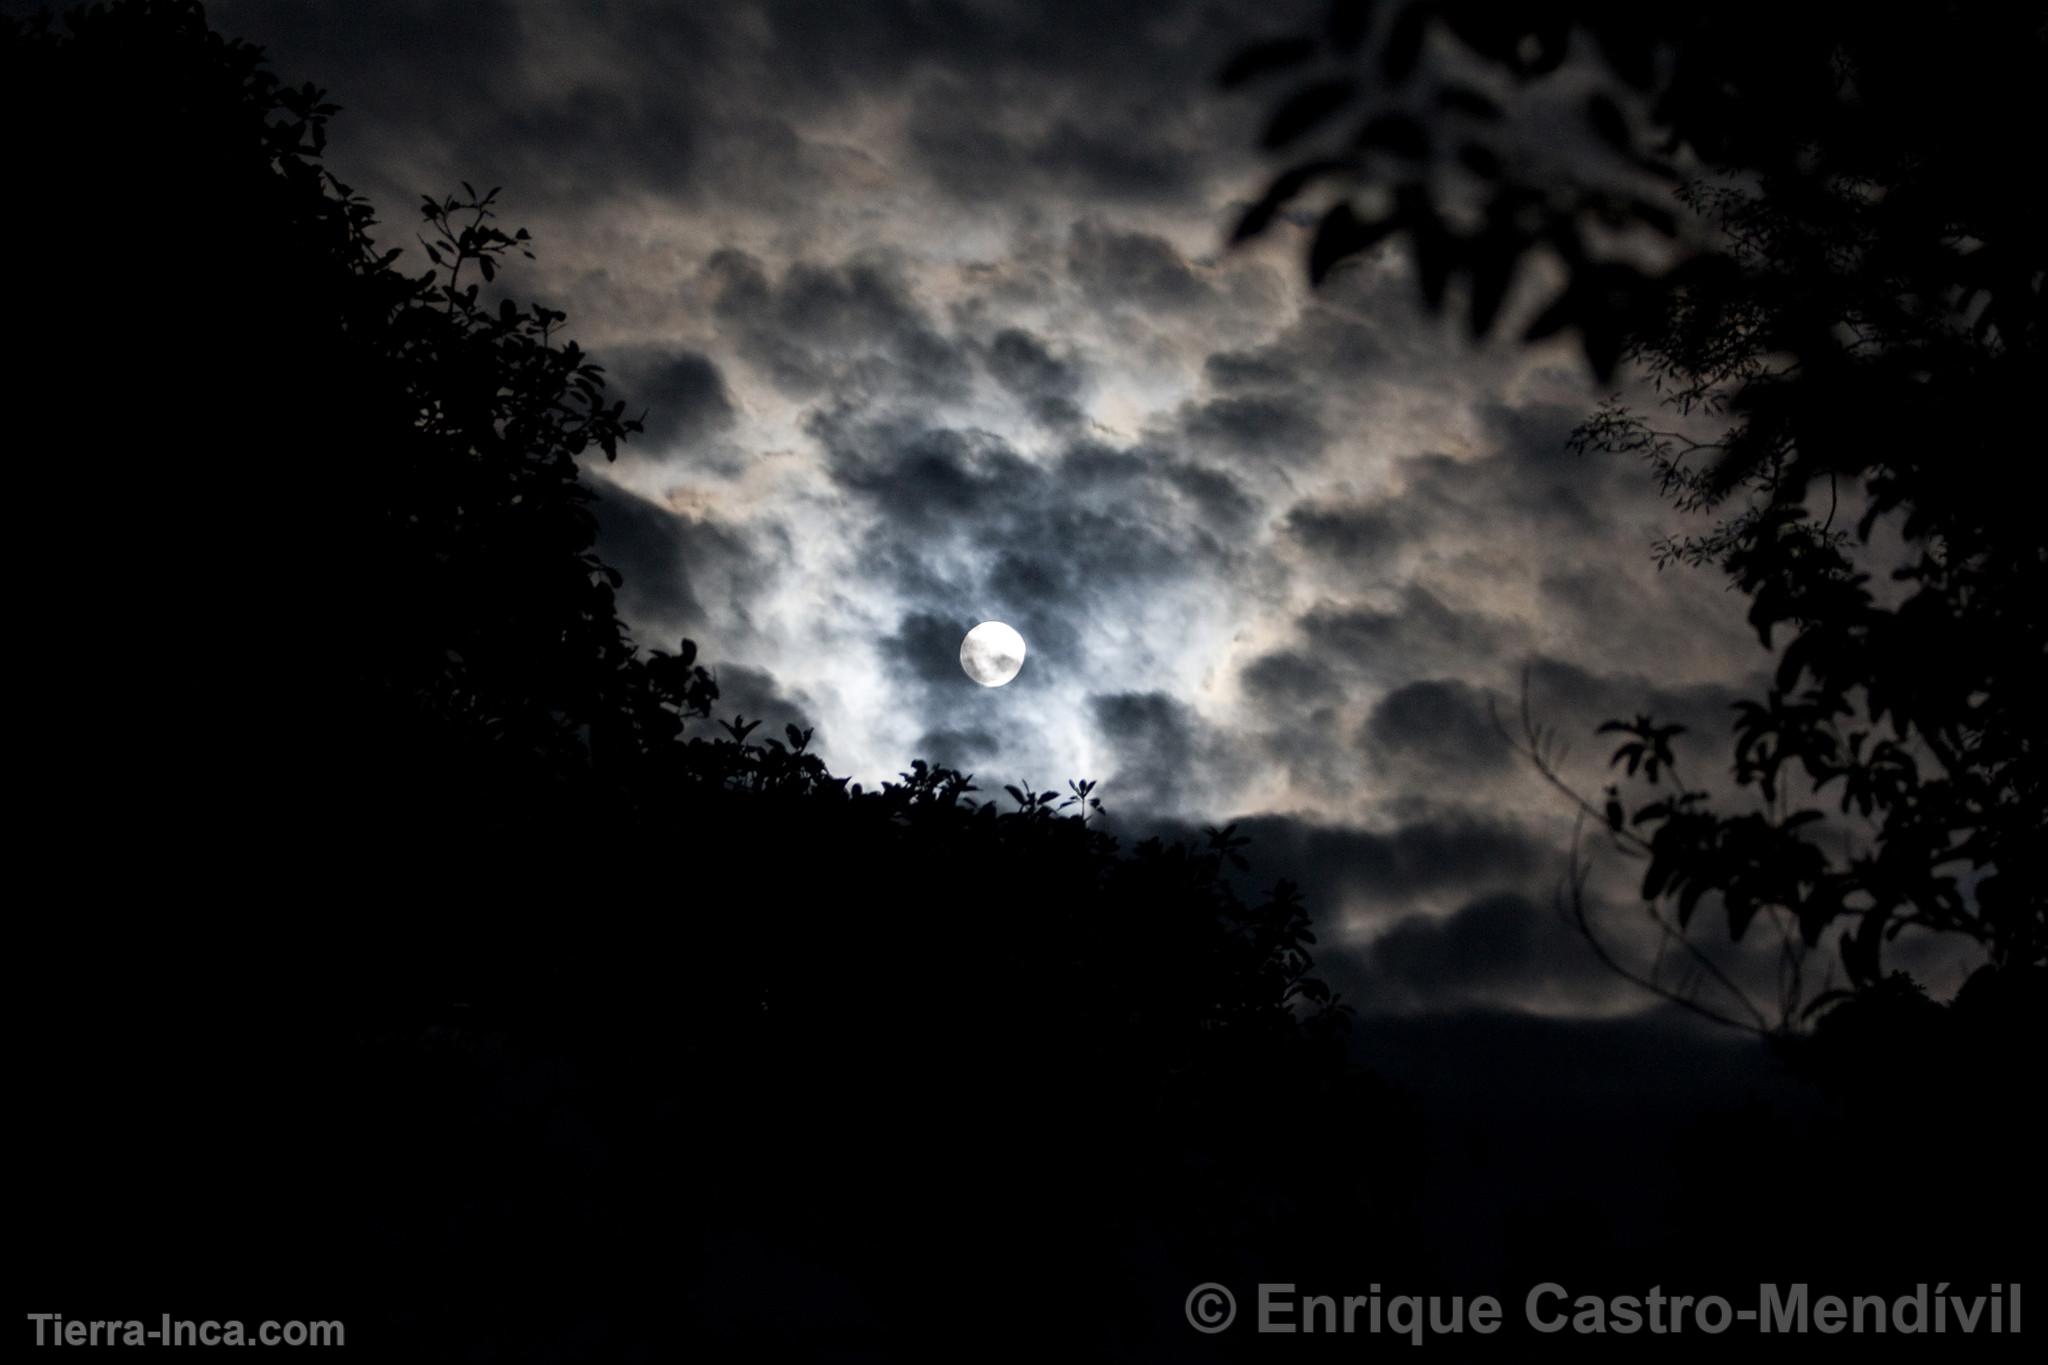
{"x": 417, "y": 952}
{"x": 422, "y": 958}
{"x": 327, "y": 512}
{"x": 1846, "y": 337}
{"x": 1846, "y": 384}
{"x": 1803, "y": 228}
{"x": 1439, "y": 123}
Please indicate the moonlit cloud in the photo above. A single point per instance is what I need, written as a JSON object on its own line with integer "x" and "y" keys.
{"x": 931, "y": 313}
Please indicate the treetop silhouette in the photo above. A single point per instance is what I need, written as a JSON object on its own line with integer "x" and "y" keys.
{"x": 383, "y": 797}
{"x": 1844, "y": 331}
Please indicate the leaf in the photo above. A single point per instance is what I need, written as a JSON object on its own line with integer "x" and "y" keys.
{"x": 1603, "y": 341}
{"x": 1306, "y": 108}
{"x": 1493, "y": 272}
{"x": 1341, "y": 235}
{"x": 1260, "y": 58}
{"x": 1403, "y": 49}
{"x": 1482, "y": 161}
{"x": 1284, "y": 189}
{"x": 1436, "y": 255}
{"x": 1562, "y": 313}
{"x": 1607, "y": 120}
{"x": 1655, "y": 217}
{"x": 1348, "y": 23}
{"x": 1628, "y": 51}
{"x": 1395, "y": 133}
{"x": 1463, "y": 99}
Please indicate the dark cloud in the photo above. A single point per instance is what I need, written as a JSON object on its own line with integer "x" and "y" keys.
{"x": 1070, "y": 552}
{"x": 1322, "y": 344}
{"x": 539, "y": 142}
{"x": 1453, "y": 850}
{"x": 1537, "y": 438}
{"x": 1575, "y": 700}
{"x": 1095, "y": 465}
{"x": 1222, "y": 500}
{"x": 1419, "y": 634}
{"x": 1353, "y": 534}
{"x": 1526, "y": 483}
{"x": 591, "y": 101}
{"x": 682, "y": 392}
{"x": 1280, "y": 427}
{"x": 1014, "y": 100}
{"x": 1110, "y": 163}
{"x": 975, "y": 152}
{"x": 927, "y": 647}
{"x": 1135, "y": 268}
{"x": 1504, "y": 949}
{"x": 1504, "y": 946}
{"x": 1536, "y": 476}
{"x": 595, "y": 99}
{"x": 960, "y": 750}
{"x": 1167, "y": 757}
{"x": 850, "y": 329}
{"x": 664, "y": 559}
{"x": 1218, "y": 501}
{"x": 1047, "y": 384}
{"x": 1440, "y": 726}
{"x": 1494, "y": 941}
{"x": 395, "y": 66}
{"x": 1260, "y": 369}
{"x": 1308, "y": 742}
{"x": 1288, "y": 680}
{"x": 929, "y": 478}
{"x": 755, "y": 694}
{"x": 969, "y": 157}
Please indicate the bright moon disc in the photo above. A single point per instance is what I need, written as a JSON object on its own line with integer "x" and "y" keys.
{"x": 992, "y": 653}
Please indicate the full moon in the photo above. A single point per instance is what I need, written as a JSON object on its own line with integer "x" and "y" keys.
{"x": 992, "y": 653}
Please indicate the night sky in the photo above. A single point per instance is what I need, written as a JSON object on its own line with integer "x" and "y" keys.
{"x": 420, "y": 954}
{"x": 933, "y": 315}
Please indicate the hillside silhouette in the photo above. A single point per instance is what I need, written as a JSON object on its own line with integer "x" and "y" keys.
{"x": 408, "y": 947}
{"x": 424, "y": 951}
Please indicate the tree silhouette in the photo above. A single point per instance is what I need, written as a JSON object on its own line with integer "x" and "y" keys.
{"x": 457, "y": 965}
{"x": 1437, "y": 123}
{"x": 1843, "y": 332}
{"x": 345, "y": 542}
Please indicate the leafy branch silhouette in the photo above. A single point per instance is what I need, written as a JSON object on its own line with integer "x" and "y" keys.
{"x": 1806, "y": 254}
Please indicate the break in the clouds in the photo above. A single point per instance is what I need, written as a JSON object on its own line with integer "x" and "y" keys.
{"x": 930, "y": 310}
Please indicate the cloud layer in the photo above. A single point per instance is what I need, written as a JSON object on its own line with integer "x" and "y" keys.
{"x": 930, "y": 311}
